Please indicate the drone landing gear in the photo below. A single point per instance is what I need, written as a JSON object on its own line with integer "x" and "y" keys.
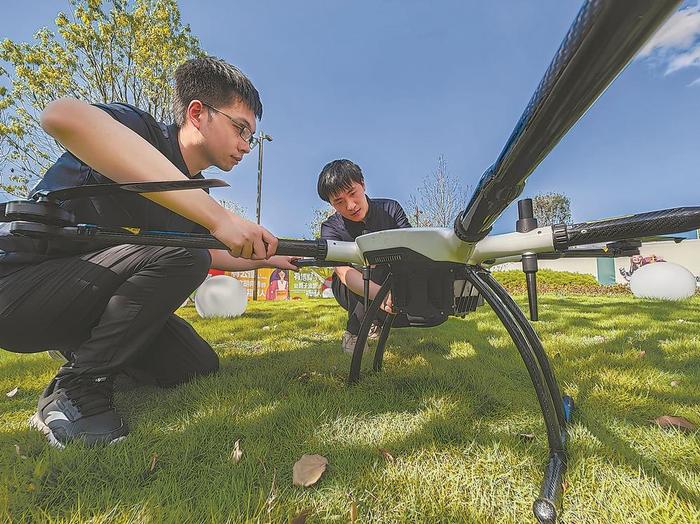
{"x": 556, "y": 409}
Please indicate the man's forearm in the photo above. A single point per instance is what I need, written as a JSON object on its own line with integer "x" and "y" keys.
{"x": 223, "y": 261}
{"x": 352, "y": 278}
{"x": 124, "y": 156}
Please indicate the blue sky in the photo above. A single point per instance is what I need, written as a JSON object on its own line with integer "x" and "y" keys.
{"x": 394, "y": 84}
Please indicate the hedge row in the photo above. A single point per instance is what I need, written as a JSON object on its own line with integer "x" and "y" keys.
{"x": 549, "y": 281}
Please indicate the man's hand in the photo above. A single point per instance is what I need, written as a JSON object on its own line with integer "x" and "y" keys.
{"x": 244, "y": 238}
{"x": 283, "y": 262}
{"x": 388, "y": 304}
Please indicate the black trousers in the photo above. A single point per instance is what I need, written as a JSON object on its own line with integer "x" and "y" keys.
{"x": 111, "y": 309}
{"x": 354, "y": 304}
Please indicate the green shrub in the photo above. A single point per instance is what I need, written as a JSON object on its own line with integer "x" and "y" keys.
{"x": 550, "y": 281}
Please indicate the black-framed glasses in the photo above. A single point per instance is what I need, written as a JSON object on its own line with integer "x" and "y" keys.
{"x": 245, "y": 132}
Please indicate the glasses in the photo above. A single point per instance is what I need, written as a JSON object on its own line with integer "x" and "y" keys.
{"x": 245, "y": 133}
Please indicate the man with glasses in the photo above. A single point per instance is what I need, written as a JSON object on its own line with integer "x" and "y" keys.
{"x": 111, "y": 310}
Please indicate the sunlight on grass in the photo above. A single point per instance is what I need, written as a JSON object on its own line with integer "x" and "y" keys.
{"x": 453, "y": 407}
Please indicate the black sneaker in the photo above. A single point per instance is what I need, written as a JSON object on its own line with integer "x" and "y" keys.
{"x": 76, "y": 407}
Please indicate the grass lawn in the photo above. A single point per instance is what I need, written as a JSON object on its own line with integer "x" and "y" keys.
{"x": 449, "y": 407}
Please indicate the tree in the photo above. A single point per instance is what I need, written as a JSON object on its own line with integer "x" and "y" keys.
{"x": 319, "y": 216}
{"x": 438, "y": 201}
{"x": 122, "y": 51}
{"x": 551, "y": 208}
{"x": 234, "y": 207}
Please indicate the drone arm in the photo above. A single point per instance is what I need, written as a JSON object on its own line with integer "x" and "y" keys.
{"x": 664, "y": 222}
{"x": 509, "y": 245}
{"x": 602, "y": 40}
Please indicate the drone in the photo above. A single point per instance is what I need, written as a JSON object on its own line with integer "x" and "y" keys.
{"x": 435, "y": 273}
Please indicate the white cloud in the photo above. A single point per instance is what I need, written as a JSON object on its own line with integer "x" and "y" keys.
{"x": 677, "y": 43}
{"x": 695, "y": 82}
{"x": 680, "y": 31}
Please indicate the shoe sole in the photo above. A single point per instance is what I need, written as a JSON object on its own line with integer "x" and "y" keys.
{"x": 36, "y": 423}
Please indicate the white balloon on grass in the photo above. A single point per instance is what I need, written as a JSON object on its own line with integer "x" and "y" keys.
{"x": 664, "y": 280}
{"x": 221, "y": 296}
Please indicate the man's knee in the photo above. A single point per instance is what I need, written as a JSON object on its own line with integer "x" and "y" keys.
{"x": 208, "y": 364}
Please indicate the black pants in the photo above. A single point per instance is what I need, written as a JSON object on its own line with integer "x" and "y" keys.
{"x": 111, "y": 309}
{"x": 355, "y": 306}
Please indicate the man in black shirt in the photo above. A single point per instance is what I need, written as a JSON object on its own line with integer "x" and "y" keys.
{"x": 342, "y": 184}
{"x": 111, "y": 309}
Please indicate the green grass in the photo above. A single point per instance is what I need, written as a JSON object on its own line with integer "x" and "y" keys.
{"x": 449, "y": 406}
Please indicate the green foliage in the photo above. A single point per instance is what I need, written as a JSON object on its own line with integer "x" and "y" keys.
{"x": 112, "y": 51}
{"x": 551, "y": 208}
{"x": 320, "y": 215}
{"x": 450, "y": 406}
{"x": 558, "y": 282}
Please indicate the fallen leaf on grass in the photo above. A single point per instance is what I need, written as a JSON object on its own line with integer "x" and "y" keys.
{"x": 667, "y": 421}
{"x": 12, "y": 393}
{"x": 154, "y": 459}
{"x": 301, "y": 517}
{"x": 642, "y": 354}
{"x": 308, "y": 469}
{"x": 353, "y": 512}
{"x": 675, "y": 383}
{"x": 527, "y": 437}
{"x": 387, "y": 455}
{"x": 151, "y": 467}
{"x": 236, "y": 452}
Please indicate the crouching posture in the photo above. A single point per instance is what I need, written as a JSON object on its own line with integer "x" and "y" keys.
{"x": 342, "y": 184}
{"x": 111, "y": 309}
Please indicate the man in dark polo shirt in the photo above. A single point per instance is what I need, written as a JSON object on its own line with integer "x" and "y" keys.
{"x": 112, "y": 309}
{"x": 342, "y": 185}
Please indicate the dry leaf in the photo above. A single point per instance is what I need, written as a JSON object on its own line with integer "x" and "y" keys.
{"x": 273, "y": 494}
{"x": 675, "y": 383}
{"x": 564, "y": 486}
{"x": 526, "y": 436}
{"x": 12, "y": 393}
{"x": 308, "y": 469}
{"x": 667, "y": 421}
{"x": 353, "y": 511}
{"x": 265, "y": 328}
{"x": 641, "y": 354}
{"x": 301, "y": 517}
{"x": 236, "y": 452}
{"x": 154, "y": 459}
{"x": 387, "y": 456}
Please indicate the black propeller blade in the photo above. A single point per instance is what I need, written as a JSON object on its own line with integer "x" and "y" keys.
{"x": 70, "y": 193}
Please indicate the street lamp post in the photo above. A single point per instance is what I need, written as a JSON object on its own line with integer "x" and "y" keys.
{"x": 261, "y": 139}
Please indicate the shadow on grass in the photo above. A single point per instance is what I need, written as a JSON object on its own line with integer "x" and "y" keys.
{"x": 282, "y": 404}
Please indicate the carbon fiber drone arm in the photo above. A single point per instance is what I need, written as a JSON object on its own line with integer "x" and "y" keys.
{"x": 664, "y": 222}
{"x": 603, "y": 39}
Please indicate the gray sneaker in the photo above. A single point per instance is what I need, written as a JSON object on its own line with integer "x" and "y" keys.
{"x": 374, "y": 331}
{"x": 78, "y": 408}
{"x": 348, "y": 343}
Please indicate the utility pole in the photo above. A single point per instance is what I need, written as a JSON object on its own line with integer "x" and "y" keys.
{"x": 261, "y": 140}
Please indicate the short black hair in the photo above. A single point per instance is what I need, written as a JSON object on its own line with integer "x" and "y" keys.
{"x": 215, "y": 82}
{"x": 337, "y": 176}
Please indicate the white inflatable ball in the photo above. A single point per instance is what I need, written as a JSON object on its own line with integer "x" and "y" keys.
{"x": 664, "y": 280}
{"x": 221, "y": 296}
